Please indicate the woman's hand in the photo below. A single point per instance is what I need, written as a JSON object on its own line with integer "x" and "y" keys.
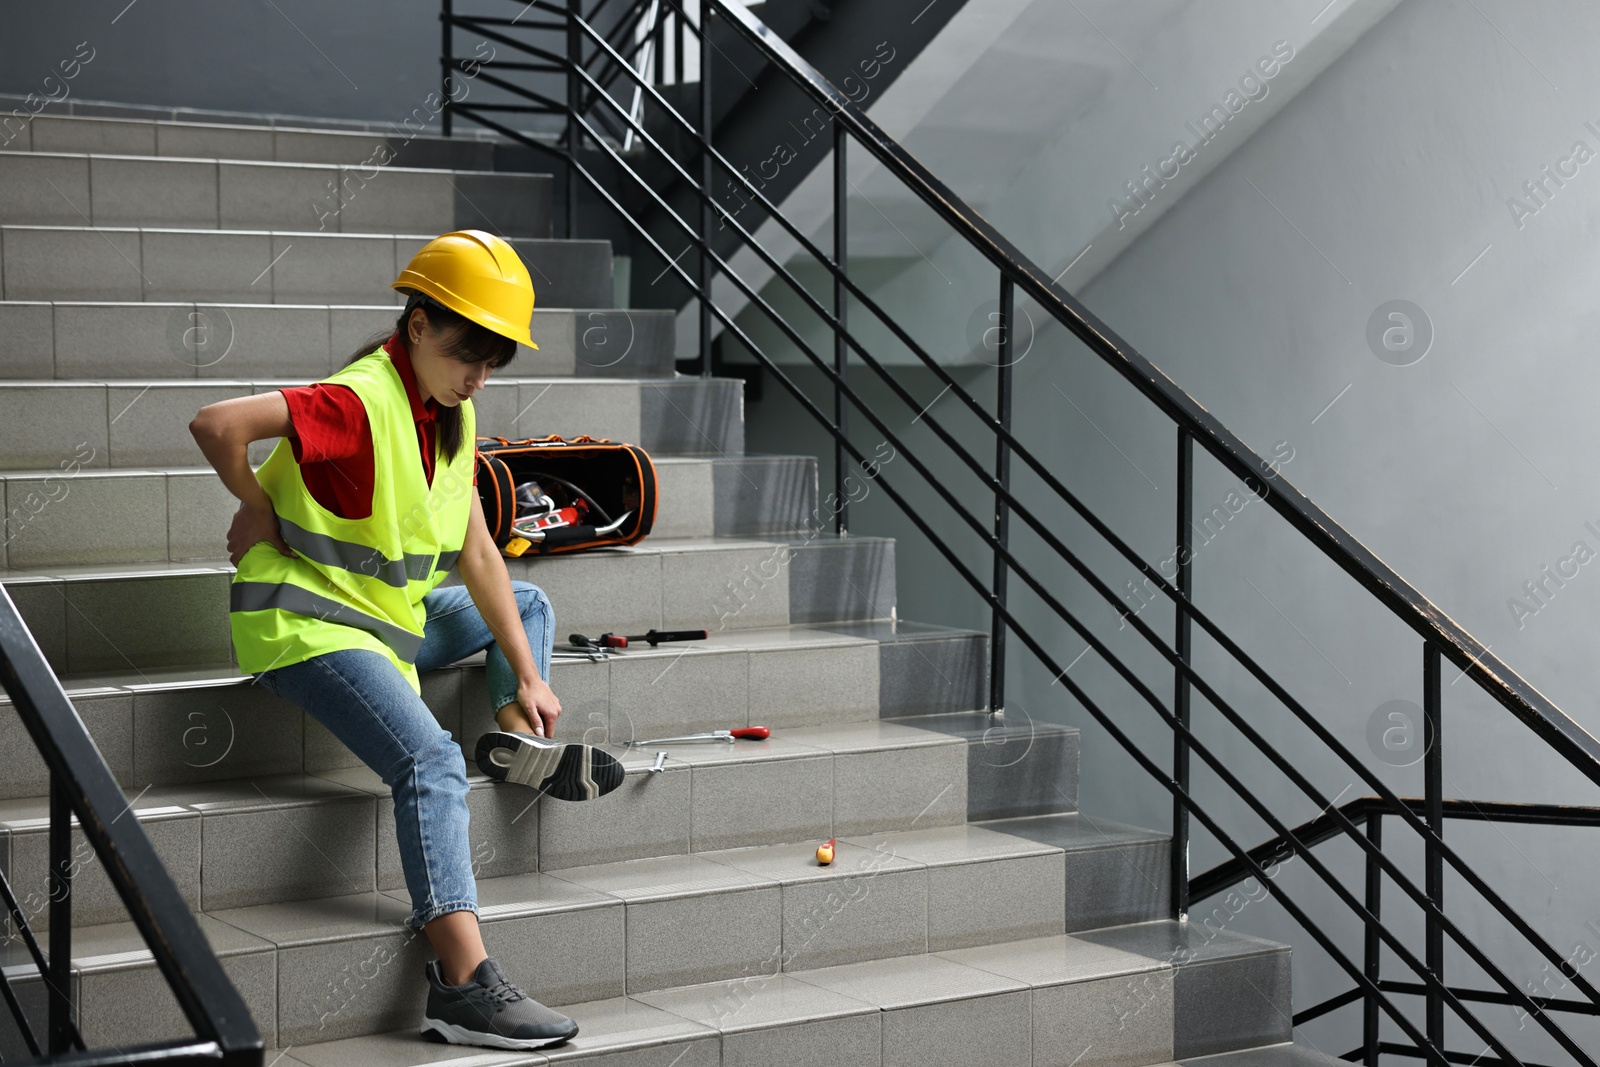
{"x": 224, "y": 431}
{"x": 540, "y": 706}
{"x": 251, "y": 524}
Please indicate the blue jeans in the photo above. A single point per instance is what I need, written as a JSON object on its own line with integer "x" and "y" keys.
{"x": 368, "y": 705}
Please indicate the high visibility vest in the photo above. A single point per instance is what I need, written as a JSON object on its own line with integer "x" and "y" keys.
{"x": 355, "y": 583}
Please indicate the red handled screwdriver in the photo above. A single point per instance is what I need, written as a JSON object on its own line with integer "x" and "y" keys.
{"x": 743, "y": 733}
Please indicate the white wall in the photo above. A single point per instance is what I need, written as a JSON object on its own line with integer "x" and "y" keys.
{"x": 1467, "y": 472}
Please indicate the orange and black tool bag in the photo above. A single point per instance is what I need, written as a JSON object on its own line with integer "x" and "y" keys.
{"x": 546, "y": 495}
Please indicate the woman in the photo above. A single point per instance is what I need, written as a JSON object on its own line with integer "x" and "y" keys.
{"x": 341, "y": 537}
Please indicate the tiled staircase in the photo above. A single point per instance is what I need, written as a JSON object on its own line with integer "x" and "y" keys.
{"x": 972, "y": 915}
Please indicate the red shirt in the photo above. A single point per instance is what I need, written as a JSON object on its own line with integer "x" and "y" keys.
{"x": 332, "y": 439}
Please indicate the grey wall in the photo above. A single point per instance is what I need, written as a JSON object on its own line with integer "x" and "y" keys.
{"x": 1467, "y": 471}
{"x": 366, "y": 59}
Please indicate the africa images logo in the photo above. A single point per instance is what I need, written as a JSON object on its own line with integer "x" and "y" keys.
{"x": 1253, "y": 85}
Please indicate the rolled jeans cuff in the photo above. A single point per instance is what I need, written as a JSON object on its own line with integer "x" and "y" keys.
{"x": 420, "y": 919}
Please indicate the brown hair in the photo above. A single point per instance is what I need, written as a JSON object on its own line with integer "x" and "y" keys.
{"x": 467, "y": 341}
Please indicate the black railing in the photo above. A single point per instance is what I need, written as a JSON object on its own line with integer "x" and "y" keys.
{"x": 661, "y": 200}
{"x": 1371, "y": 811}
{"x": 83, "y": 789}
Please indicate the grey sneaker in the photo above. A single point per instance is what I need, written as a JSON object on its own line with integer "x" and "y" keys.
{"x": 564, "y": 771}
{"x": 491, "y": 1012}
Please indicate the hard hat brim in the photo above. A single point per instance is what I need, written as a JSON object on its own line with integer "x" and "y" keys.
{"x": 410, "y": 279}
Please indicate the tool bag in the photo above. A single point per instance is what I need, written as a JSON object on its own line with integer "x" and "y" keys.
{"x": 545, "y": 495}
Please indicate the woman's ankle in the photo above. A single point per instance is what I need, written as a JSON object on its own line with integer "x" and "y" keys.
{"x": 512, "y": 719}
{"x": 459, "y": 977}
{"x": 458, "y": 942}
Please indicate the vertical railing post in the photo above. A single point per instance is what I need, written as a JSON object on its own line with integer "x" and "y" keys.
{"x": 841, "y": 352}
{"x": 59, "y": 981}
{"x": 677, "y": 62}
{"x": 658, "y": 54}
{"x": 1180, "y": 686}
{"x": 446, "y": 61}
{"x": 1433, "y": 796}
{"x": 1369, "y": 1002}
{"x": 1002, "y": 509}
{"x": 705, "y": 188}
{"x": 574, "y": 103}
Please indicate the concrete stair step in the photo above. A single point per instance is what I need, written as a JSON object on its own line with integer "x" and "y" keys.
{"x": 925, "y": 669}
{"x": 339, "y": 982}
{"x": 75, "y": 189}
{"x": 1116, "y": 873}
{"x": 182, "y": 514}
{"x": 200, "y": 725}
{"x": 260, "y": 266}
{"x": 53, "y": 426}
{"x": 1015, "y": 769}
{"x": 1230, "y": 991}
{"x": 69, "y": 341}
{"x": 1282, "y": 1054}
{"x": 403, "y": 145}
{"x": 122, "y": 972}
{"x": 181, "y": 727}
{"x": 91, "y": 619}
{"x": 623, "y": 928}
{"x": 262, "y": 838}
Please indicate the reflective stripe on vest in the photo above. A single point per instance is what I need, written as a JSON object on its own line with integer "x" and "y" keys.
{"x": 259, "y": 596}
{"x": 358, "y": 559}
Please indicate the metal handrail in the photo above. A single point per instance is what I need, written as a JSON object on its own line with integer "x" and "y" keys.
{"x": 1518, "y": 695}
{"x": 1417, "y": 894}
{"x": 1101, "y": 715}
{"x": 1576, "y": 745}
{"x": 1193, "y": 423}
{"x": 1230, "y": 873}
{"x": 1514, "y": 692}
{"x": 82, "y": 787}
{"x": 1275, "y": 850}
{"x": 1435, "y": 913}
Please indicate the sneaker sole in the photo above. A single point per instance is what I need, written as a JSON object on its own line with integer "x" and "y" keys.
{"x": 564, "y": 771}
{"x": 460, "y": 1035}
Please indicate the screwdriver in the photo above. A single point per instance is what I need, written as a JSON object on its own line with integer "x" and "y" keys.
{"x": 745, "y": 733}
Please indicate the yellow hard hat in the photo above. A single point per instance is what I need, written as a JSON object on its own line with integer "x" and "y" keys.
{"x": 477, "y": 275}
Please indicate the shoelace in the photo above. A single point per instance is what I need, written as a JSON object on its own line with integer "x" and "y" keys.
{"x": 504, "y": 992}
